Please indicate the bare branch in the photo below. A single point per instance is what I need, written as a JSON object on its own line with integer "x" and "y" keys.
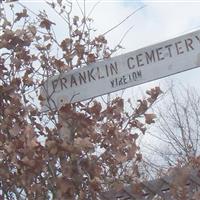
{"x": 140, "y": 8}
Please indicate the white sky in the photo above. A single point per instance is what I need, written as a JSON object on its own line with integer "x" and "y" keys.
{"x": 157, "y": 21}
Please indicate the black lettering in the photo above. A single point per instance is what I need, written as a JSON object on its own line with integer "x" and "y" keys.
{"x": 139, "y": 73}
{"x": 54, "y": 84}
{"x": 99, "y": 74}
{"x": 139, "y": 60}
{"x": 197, "y": 37}
{"x": 168, "y": 47}
{"x": 178, "y": 48}
{"x": 63, "y": 82}
{"x": 113, "y": 68}
{"x": 129, "y": 77}
{"x": 82, "y": 78}
{"x": 112, "y": 83}
{"x": 150, "y": 57}
{"x": 107, "y": 74}
{"x": 159, "y": 53}
{"x": 90, "y": 76}
{"x": 124, "y": 80}
{"x": 134, "y": 75}
{"x": 120, "y": 81}
{"x": 130, "y": 65}
{"x": 188, "y": 43}
{"x": 73, "y": 81}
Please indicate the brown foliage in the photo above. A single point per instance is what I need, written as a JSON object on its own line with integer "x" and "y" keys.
{"x": 98, "y": 144}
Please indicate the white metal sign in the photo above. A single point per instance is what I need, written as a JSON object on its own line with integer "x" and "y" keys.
{"x": 130, "y": 69}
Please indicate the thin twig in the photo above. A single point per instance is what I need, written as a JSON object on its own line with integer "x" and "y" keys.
{"x": 23, "y": 6}
{"x": 124, "y": 35}
{"x": 80, "y": 8}
{"x": 114, "y": 27}
{"x": 95, "y": 5}
{"x": 121, "y": 40}
{"x": 57, "y": 12}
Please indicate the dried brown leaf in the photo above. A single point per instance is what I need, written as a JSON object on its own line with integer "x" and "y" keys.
{"x": 25, "y": 160}
{"x": 66, "y": 43}
{"x": 149, "y": 118}
{"x": 45, "y": 23}
{"x": 21, "y": 15}
{"x": 83, "y": 143}
{"x": 142, "y": 107}
{"x": 91, "y": 58}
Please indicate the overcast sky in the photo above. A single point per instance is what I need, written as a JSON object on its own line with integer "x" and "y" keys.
{"x": 157, "y": 21}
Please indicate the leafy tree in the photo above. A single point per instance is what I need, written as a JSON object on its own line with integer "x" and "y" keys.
{"x": 93, "y": 145}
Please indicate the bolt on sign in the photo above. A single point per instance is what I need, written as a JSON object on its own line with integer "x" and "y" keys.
{"x": 146, "y": 64}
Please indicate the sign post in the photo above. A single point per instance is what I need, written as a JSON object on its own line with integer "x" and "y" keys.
{"x": 146, "y": 64}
